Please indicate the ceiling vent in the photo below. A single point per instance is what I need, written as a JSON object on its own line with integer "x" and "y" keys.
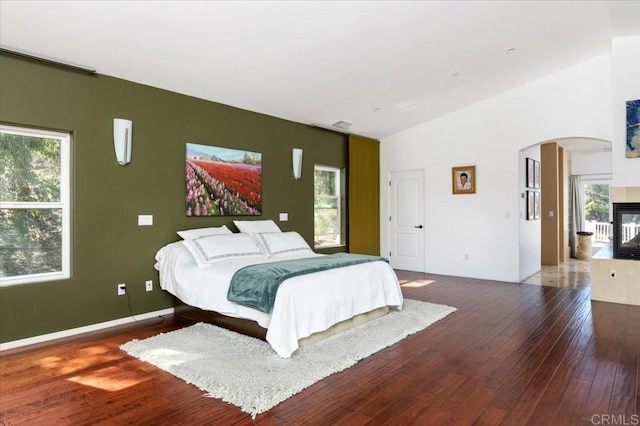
{"x": 342, "y": 125}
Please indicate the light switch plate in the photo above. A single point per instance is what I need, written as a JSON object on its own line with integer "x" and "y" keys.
{"x": 284, "y": 217}
{"x": 145, "y": 219}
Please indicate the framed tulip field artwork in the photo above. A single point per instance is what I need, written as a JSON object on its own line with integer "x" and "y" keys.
{"x": 222, "y": 181}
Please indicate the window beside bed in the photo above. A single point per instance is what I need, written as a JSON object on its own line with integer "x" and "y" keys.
{"x": 327, "y": 207}
{"x": 34, "y": 205}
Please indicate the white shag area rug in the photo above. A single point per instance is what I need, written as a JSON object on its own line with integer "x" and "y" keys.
{"x": 246, "y": 372}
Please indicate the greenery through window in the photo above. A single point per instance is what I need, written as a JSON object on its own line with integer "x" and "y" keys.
{"x": 596, "y": 202}
{"x": 34, "y": 205}
{"x": 326, "y": 206}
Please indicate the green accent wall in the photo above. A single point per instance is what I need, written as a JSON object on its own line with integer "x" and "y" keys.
{"x": 108, "y": 247}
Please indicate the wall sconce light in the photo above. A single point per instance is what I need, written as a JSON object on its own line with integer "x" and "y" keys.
{"x": 296, "y": 156}
{"x": 122, "y": 140}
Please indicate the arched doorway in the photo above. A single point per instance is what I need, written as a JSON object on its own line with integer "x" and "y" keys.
{"x": 545, "y": 241}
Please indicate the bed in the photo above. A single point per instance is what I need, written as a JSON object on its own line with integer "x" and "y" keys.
{"x": 198, "y": 272}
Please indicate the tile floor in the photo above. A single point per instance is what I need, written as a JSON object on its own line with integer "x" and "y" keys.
{"x": 572, "y": 274}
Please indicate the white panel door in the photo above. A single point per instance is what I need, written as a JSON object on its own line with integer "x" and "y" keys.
{"x": 406, "y": 227}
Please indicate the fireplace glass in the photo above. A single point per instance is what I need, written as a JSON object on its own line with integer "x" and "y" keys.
{"x": 626, "y": 231}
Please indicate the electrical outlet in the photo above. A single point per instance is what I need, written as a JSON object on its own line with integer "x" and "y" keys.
{"x": 122, "y": 288}
{"x": 149, "y": 285}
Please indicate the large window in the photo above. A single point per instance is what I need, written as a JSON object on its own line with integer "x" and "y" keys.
{"x": 34, "y": 205}
{"x": 596, "y": 202}
{"x": 326, "y": 206}
{"x": 597, "y": 209}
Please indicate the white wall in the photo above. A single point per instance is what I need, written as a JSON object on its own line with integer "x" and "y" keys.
{"x": 625, "y": 72}
{"x": 572, "y": 103}
{"x": 530, "y": 244}
{"x": 592, "y": 163}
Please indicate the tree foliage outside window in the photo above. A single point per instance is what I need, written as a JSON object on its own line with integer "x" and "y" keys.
{"x": 596, "y": 202}
{"x": 326, "y": 206}
{"x": 34, "y": 207}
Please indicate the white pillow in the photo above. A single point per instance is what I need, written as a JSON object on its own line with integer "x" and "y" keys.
{"x": 256, "y": 226}
{"x": 222, "y": 248}
{"x": 282, "y": 243}
{"x": 190, "y": 234}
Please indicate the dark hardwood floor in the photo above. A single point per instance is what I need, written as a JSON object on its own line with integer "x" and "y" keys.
{"x": 512, "y": 354}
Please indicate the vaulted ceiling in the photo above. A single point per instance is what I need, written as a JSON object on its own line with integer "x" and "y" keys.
{"x": 383, "y": 66}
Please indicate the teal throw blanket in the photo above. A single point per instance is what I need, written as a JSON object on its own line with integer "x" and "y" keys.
{"x": 256, "y": 285}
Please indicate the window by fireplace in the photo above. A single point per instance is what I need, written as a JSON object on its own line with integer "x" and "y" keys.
{"x": 626, "y": 231}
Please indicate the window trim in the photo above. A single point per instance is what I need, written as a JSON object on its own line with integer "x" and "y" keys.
{"x": 337, "y": 197}
{"x": 64, "y": 204}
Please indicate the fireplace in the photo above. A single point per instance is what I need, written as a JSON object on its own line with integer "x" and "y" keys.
{"x": 626, "y": 231}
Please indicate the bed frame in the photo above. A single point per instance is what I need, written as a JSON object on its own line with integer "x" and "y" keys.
{"x": 239, "y": 325}
{"x": 253, "y": 329}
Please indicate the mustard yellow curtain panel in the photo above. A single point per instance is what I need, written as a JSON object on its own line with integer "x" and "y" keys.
{"x": 364, "y": 195}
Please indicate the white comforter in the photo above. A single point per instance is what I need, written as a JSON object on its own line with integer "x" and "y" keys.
{"x": 304, "y": 305}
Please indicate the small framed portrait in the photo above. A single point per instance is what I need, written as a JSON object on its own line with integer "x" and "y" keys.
{"x": 464, "y": 180}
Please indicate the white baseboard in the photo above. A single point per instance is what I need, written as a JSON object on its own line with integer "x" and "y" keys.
{"x": 80, "y": 330}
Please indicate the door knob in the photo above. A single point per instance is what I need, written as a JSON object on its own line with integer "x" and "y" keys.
{"x": 418, "y": 226}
